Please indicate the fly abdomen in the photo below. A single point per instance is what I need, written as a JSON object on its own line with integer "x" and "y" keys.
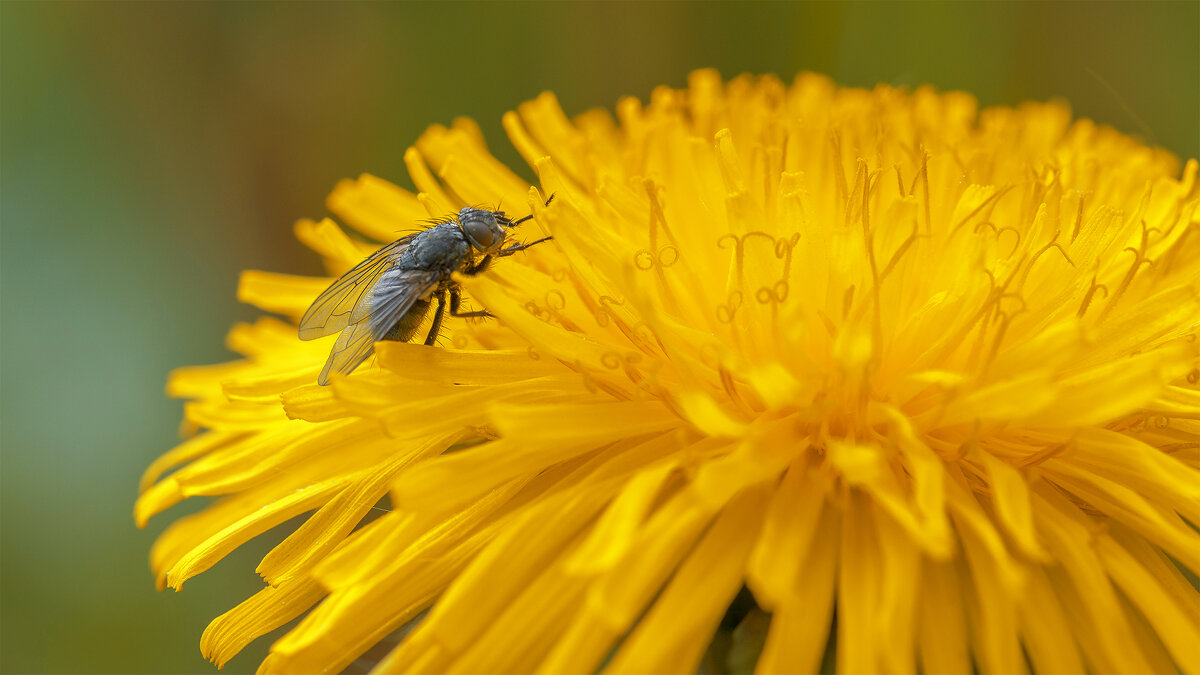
{"x": 407, "y": 326}
{"x": 399, "y": 301}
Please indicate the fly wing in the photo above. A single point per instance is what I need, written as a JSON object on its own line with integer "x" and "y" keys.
{"x": 395, "y": 294}
{"x": 332, "y": 310}
{"x": 390, "y": 297}
{"x": 353, "y": 347}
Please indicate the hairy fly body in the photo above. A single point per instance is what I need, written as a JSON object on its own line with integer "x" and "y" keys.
{"x": 387, "y": 296}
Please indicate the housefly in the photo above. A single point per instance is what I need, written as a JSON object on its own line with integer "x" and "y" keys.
{"x": 387, "y": 296}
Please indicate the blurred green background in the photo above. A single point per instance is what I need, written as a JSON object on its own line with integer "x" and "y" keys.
{"x": 150, "y": 151}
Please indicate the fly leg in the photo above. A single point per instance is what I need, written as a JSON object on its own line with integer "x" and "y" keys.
{"x": 437, "y": 320}
{"x": 519, "y": 247}
{"x": 480, "y": 266}
{"x": 456, "y": 299}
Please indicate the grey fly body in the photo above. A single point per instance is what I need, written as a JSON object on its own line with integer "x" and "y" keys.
{"x": 387, "y": 296}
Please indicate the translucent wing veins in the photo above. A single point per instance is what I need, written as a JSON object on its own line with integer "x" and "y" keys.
{"x": 390, "y": 299}
{"x": 332, "y": 310}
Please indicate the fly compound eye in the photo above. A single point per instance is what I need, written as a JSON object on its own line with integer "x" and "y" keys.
{"x": 481, "y": 229}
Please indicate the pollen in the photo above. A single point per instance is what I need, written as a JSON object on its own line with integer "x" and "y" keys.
{"x": 918, "y": 379}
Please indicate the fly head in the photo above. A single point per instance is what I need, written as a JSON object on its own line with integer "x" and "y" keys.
{"x": 482, "y": 229}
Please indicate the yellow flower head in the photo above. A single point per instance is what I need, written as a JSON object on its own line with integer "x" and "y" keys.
{"x": 919, "y": 372}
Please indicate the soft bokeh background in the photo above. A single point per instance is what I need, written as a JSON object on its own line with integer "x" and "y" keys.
{"x": 150, "y": 151}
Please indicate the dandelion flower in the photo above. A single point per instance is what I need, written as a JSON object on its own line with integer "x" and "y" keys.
{"x": 920, "y": 377}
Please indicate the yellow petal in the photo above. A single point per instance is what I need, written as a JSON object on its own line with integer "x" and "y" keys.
{"x": 942, "y": 637}
{"x": 1015, "y": 399}
{"x": 1010, "y": 495}
{"x": 1175, "y": 625}
{"x": 899, "y": 591}
{"x": 322, "y": 532}
{"x": 464, "y": 164}
{"x": 616, "y": 530}
{"x": 1115, "y": 388}
{"x": 1069, "y": 540}
{"x": 617, "y": 597}
{"x": 791, "y": 522}
{"x": 521, "y": 634}
{"x": 203, "y": 381}
{"x": 800, "y": 625}
{"x": 313, "y": 403}
{"x": 704, "y": 414}
{"x": 208, "y": 552}
{"x": 858, "y": 590}
{"x": 258, "y": 615}
{"x": 285, "y": 294}
{"x": 562, "y": 432}
{"x": 455, "y": 367}
{"x": 327, "y": 239}
{"x": 507, "y": 566}
{"x": 347, "y": 623}
{"x": 375, "y": 207}
{"x": 229, "y": 416}
{"x": 1046, "y": 629}
{"x": 992, "y": 606}
{"x": 188, "y": 450}
{"x": 672, "y": 636}
{"x": 263, "y": 389}
{"x": 1157, "y": 523}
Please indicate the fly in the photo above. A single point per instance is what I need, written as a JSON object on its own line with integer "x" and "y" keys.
{"x": 387, "y": 296}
